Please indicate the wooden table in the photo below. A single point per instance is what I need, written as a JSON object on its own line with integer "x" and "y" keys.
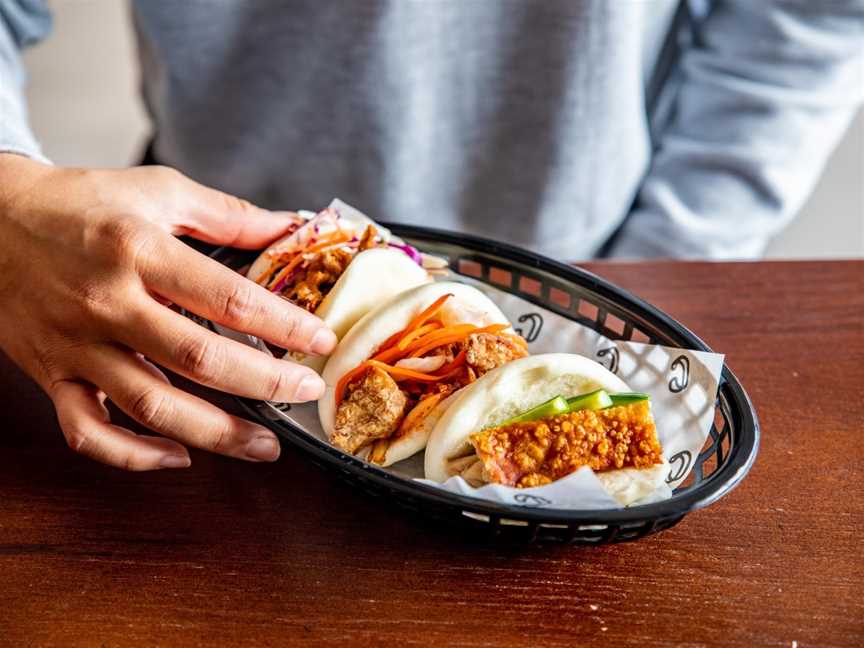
{"x": 234, "y": 553}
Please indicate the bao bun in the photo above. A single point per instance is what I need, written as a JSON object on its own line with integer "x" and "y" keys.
{"x": 467, "y": 306}
{"x": 372, "y": 277}
{"x": 517, "y": 387}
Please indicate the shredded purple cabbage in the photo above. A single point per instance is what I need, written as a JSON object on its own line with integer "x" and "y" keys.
{"x": 283, "y": 282}
{"x": 279, "y": 286}
{"x": 410, "y": 251}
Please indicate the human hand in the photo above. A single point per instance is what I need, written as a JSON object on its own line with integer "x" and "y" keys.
{"x": 88, "y": 266}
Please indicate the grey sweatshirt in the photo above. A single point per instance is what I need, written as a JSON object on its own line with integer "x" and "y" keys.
{"x": 525, "y": 121}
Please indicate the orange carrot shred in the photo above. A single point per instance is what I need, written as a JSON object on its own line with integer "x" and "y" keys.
{"x": 390, "y": 341}
{"x": 493, "y": 328}
{"x": 391, "y": 355}
{"x": 417, "y": 333}
{"x": 441, "y": 340}
{"x": 518, "y": 339}
{"x": 404, "y": 373}
{"x": 458, "y": 361}
{"x": 427, "y": 313}
{"x": 421, "y": 409}
{"x": 458, "y": 331}
{"x": 269, "y": 271}
{"x": 334, "y": 238}
{"x": 386, "y": 352}
{"x": 393, "y": 350}
{"x": 379, "y": 451}
{"x": 331, "y": 238}
{"x": 415, "y": 340}
{"x": 284, "y": 272}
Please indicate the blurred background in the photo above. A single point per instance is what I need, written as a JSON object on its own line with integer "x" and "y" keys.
{"x": 85, "y": 110}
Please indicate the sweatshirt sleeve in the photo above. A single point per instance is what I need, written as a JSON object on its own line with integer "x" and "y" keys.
{"x": 767, "y": 90}
{"x": 22, "y": 23}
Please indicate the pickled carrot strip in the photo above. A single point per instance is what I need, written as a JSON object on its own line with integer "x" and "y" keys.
{"x": 458, "y": 361}
{"x": 386, "y": 352}
{"x": 518, "y": 339}
{"x": 393, "y": 354}
{"x": 420, "y": 410}
{"x": 269, "y": 271}
{"x": 427, "y": 313}
{"x": 284, "y": 272}
{"x": 417, "y": 333}
{"x": 326, "y": 240}
{"x": 445, "y": 332}
{"x": 393, "y": 349}
{"x": 390, "y": 341}
{"x": 379, "y": 451}
{"x": 440, "y": 341}
{"x": 331, "y": 238}
{"x": 404, "y": 373}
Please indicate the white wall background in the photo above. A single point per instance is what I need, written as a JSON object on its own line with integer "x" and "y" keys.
{"x": 84, "y": 108}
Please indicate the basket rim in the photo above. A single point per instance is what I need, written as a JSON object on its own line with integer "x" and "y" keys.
{"x": 742, "y": 453}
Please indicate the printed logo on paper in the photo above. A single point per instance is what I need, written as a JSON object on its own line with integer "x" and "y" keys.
{"x": 527, "y": 499}
{"x": 680, "y": 381}
{"x": 611, "y": 356}
{"x": 535, "y": 321}
{"x": 679, "y": 464}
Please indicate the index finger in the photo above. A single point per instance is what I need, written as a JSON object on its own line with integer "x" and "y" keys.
{"x": 209, "y": 289}
{"x": 175, "y": 342}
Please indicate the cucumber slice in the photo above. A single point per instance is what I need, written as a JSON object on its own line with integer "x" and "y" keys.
{"x": 552, "y": 407}
{"x": 628, "y": 398}
{"x": 595, "y": 400}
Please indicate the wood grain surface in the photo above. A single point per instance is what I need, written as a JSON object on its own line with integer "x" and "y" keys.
{"x": 229, "y": 553}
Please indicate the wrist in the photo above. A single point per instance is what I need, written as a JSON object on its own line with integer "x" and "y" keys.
{"x": 17, "y": 174}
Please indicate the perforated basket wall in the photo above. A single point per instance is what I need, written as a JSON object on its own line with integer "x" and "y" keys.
{"x": 585, "y": 298}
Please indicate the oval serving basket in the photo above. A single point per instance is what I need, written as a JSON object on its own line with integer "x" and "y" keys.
{"x": 580, "y": 296}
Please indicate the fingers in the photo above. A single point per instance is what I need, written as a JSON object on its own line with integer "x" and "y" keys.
{"x": 85, "y": 423}
{"x": 129, "y": 381}
{"x": 206, "y": 287}
{"x": 216, "y": 217}
{"x": 182, "y": 346}
{"x": 247, "y": 227}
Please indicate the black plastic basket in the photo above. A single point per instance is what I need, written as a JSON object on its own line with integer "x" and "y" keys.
{"x": 585, "y": 298}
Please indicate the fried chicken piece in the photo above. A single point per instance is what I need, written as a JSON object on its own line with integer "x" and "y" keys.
{"x": 487, "y": 351}
{"x": 312, "y": 285}
{"x": 306, "y": 296}
{"x": 367, "y": 241}
{"x": 372, "y": 410}
{"x": 534, "y": 453}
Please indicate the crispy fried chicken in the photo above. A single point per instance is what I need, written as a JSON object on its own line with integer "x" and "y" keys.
{"x": 313, "y": 283}
{"x": 487, "y": 351}
{"x": 372, "y": 410}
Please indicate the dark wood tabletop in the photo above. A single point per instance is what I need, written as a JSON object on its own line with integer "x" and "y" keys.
{"x": 231, "y": 553}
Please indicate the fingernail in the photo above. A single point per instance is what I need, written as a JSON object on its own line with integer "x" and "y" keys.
{"x": 311, "y": 388}
{"x": 175, "y": 461}
{"x": 323, "y": 341}
{"x": 263, "y": 449}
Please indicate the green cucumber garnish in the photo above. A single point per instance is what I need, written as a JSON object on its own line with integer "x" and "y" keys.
{"x": 595, "y": 400}
{"x": 552, "y": 407}
{"x": 628, "y": 398}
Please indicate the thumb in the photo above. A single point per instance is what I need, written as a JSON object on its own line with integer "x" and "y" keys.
{"x": 222, "y": 219}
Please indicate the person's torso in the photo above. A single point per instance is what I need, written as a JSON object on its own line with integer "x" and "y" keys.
{"x": 522, "y": 121}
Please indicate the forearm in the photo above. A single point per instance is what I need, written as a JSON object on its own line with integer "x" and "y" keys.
{"x": 21, "y": 23}
{"x": 766, "y": 94}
